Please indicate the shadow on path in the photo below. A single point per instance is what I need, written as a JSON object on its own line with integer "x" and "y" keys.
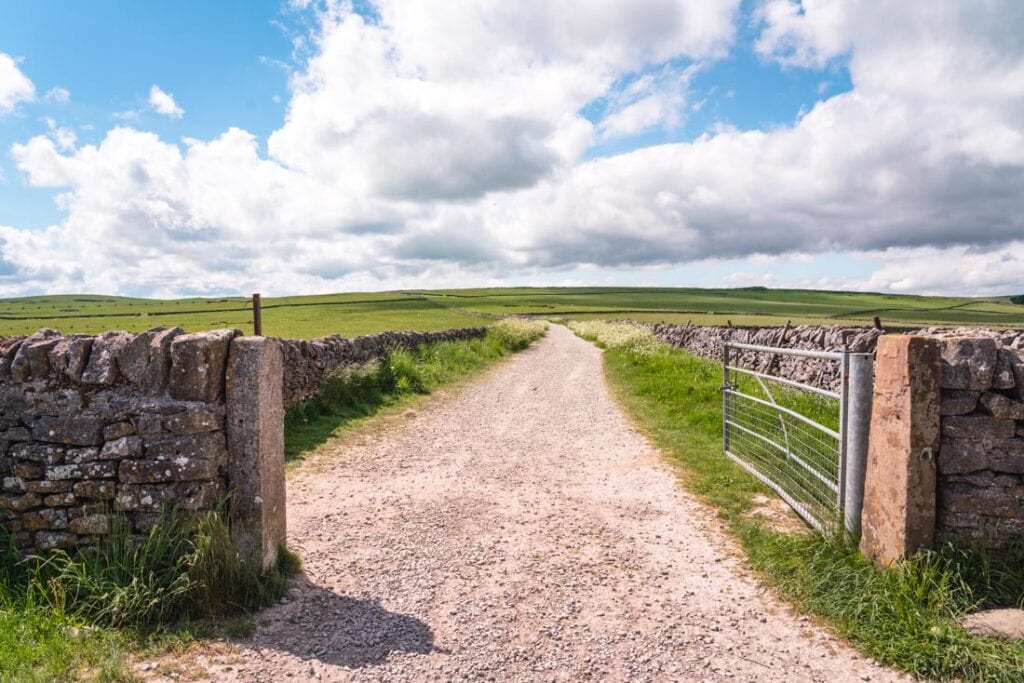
{"x": 341, "y": 630}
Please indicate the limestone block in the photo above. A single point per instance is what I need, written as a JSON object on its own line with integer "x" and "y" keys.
{"x": 95, "y": 490}
{"x": 958, "y": 402}
{"x": 255, "y": 427}
{"x": 56, "y": 500}
{"x": 159, "y": 365}
{"x": 1003, "y": 377}
{"x": 125, "y": 447}
{"x": 118, "y": 430}
{"x": 194, "y": 420}
{"x": 147, "y": 425}
{"x": 70, "y": 355}
{"x": 38, "y": 452}
{"x": 968, "y": 363}
{"x": 980, "y": 428}
{"x": 47, "y": 486}
{"x": 88, "y": 470}
{"x": 960, "y": 456}
{"x": 197, "y": 365}
{"x": 992, "y": 501}
{"x": 1015, "y": 359}
{"x": 1007, "y": 455}
{"x": 86, "y": 454}
{"x": 178, "y": 447}
{"x": 133, "y": 357}
{"x": 197, "y": 495}
{"x": 47, "y": 518}
{"x": 39, "y": 357}
{"x": 53, "y": 540}
{"x": 21, "y": 365}
{"x": 14, "y": 484}
{"x": 900, "y": 485}
{"x": 20, "y": 503}
{"x": 79, "y": 430}
{"x": 102, "y": 366}
{"x": 1001, "y": 407}
{"x": 90, "y": 525}
{"x": 28, "y": 470}
{"x": 162, "y": 471}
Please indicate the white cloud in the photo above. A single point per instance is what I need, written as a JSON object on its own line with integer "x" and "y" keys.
{"x": 15, "y": 86}
{"x": 806, "y": 33}
{"x": 444, "y": 145}
{"x": 58, "y": 95}
{"x": 63, "y": 136}
{"x": 163, "y": 103}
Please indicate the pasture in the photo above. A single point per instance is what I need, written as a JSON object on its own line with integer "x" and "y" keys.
{"x": 357, "y": 313}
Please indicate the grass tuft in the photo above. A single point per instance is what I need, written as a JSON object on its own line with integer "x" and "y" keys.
{"x": 64, "y": 613}
{"x": 905, "y": 616}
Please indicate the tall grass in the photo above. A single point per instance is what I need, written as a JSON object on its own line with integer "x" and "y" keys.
{"x": 906, "y": 616}
{"x": 99, "y": 598}
{"x": 358, "y": 392}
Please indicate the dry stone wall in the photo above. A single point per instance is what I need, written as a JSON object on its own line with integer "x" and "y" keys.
{"x": 981, "y": 456}
{"x": 307, "y": 364}
{"x": 708, "y": 341}
{"x": 130, "y": 424}
{"x": 115, "y": 422}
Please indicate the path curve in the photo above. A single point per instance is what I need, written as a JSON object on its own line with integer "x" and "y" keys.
{"x": 520, "y": 530}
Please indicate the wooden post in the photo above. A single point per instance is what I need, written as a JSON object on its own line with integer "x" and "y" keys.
{"x": 878, "y": 323}
{"x": 257, "y": 316}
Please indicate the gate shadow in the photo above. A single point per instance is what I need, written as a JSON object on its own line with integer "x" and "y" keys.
{"x": 342, "y": 630}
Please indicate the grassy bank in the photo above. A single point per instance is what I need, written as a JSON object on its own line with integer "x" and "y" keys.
{"x": 78, "y": 617}
{"x": 905, "y": 616}
{"x": 360, "y": 392}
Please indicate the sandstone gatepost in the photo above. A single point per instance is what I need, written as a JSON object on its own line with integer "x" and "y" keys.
{"x": 133, "y": 424}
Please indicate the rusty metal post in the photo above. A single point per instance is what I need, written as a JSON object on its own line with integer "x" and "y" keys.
{"x": 257, "y": 316}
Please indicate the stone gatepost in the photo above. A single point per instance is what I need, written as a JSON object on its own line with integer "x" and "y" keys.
{"x": 900, "y": 485}
{"x": 255, "y": 430}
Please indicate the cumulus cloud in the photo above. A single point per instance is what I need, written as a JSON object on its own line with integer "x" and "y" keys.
{"x": 15, "y": 86}
{"x": 446, "y": 145}
{"x": 58, "y": 95}
{"x": 163, "y": 103}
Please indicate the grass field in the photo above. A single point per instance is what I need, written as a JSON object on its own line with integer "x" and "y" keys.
{"x": 364, "y": 313}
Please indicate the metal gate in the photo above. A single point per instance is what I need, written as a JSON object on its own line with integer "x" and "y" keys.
{"x": 806, "y": 442}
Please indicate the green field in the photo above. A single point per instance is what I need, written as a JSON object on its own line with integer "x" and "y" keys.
{"x": 364, "y": 313}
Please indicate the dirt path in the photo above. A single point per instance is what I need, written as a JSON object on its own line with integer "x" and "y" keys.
{"x": 520, "y": 530}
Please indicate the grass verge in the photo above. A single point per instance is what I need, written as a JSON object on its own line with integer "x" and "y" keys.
{"x": 78, "y": 617}
{"x": 905, "y": 616}
{"x": 359, "y": 392}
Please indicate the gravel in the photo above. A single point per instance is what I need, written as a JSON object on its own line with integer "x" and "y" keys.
{"x": 520, "y": 529}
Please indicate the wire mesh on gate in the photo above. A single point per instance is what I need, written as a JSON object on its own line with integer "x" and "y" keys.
{"x": 788, "y": 434}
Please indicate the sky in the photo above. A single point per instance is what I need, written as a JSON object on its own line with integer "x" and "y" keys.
{"x": 192, "y": 148}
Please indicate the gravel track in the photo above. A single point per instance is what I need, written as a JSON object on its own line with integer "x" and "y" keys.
{"x": 521, "y": 529}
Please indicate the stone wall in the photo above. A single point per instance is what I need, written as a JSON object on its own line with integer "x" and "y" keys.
{"x": 707, "y": 341}
{"x": 981, "y": 456}
{"x": 116, "y": 422}
{"x": 308, "y": 363}
{"x": 131, "y": 424}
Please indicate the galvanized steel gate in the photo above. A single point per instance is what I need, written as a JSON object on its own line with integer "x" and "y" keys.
{"x": 807, "y": 443}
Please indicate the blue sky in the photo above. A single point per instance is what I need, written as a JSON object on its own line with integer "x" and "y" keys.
{"x": 215, "y": 57}
{"x": 685, "y": 142}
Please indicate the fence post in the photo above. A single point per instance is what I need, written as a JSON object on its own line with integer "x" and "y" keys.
{"x": 861, "y": 385}
{"x": 725, "y": 397}
{"x": 257, "y": 316}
